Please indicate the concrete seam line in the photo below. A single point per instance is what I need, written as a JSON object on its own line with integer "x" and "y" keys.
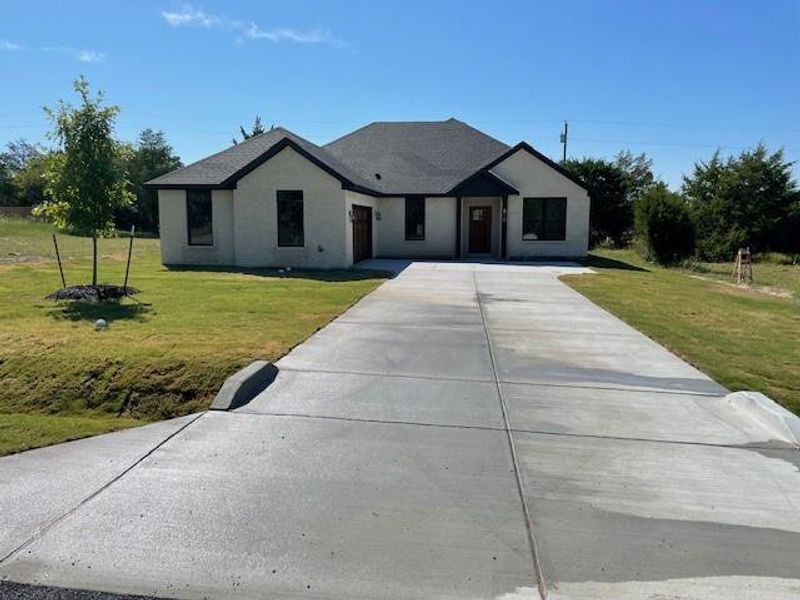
{"x": 612, "y": 438}
{"x": 365, "y": 420}
{"x": 617, "y": 438}
{"x": 53, "y": 522}
{"x": 611, "y": 388}
{"x": 537, "y": 567}
{"x": 386, "y": 375}
{"x": 502, "y": 381}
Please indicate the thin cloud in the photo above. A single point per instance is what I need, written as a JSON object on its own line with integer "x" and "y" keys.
{"x": 191, "y": 17}
{"x": 10, "y": 46}
{"x": 87, "y": 56}
{"x": 188, "y": 16}
{"x": 314, "y": 36}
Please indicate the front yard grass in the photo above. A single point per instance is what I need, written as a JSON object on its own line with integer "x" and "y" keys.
{"x": 745, "y": 337}
{"x": 166, "y": 350}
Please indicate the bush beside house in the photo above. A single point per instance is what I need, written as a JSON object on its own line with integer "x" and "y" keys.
{"x": 664, "y": 226}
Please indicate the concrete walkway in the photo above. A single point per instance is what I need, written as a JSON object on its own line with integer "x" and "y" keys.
{"x": 465, "y": 431}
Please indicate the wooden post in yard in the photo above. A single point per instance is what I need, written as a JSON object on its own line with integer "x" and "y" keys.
{"x": 743, "y": 266}
{"x": 58, "y": 258}
{"x": 128, "y": 265}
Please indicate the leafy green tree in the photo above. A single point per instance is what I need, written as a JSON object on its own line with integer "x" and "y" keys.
{"x": 611, "y": 214}
{"x": 664, "y": 226}
{"x": 638, "y": 170}
{"x": 150, "y": 157}
{"x": 257, "y": 129}
{"x": 746, "y": 200}
{"x": 7, "y": 189}
{"x": 31, "y": 182}
{"x": 21, "y": 164}
{"x": 87, "y": 182}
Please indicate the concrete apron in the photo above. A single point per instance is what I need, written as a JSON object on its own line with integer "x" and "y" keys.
{"x": 465, "y": 431}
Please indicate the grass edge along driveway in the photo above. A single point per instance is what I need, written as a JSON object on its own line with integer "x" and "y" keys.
{"x": 165, "y": 353}
{"x": 746, "y": 338}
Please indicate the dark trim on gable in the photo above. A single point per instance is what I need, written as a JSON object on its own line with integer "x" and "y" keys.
{"x": 486, "y": 180}
{"x": 534, "y": 152}
{"x": 230, "y": 182}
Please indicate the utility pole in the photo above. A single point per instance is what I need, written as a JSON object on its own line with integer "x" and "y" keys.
{"x": 564, "y": 142}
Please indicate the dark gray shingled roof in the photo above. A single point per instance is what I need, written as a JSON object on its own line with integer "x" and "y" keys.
{"x": 428, "y": 157}
{"x": 223, "y": 169}
{"x": 383, "y": 158}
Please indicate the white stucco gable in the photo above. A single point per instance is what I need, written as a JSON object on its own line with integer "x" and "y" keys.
{"x": 535, "y": 178}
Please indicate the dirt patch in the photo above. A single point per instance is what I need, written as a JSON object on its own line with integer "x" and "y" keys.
{"x": 749, "y": 288}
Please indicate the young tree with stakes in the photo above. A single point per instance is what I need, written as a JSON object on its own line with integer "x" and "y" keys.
{"x": 87, "y": 181}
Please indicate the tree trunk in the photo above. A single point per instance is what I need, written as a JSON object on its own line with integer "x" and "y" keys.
{"x": 94, "y": 261}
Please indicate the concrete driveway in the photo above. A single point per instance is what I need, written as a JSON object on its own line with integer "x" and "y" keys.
{"x": 465, "y": 431}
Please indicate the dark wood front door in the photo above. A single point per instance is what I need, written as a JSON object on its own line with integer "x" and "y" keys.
{"x": 480, "y": 229}
{"x": 362, "y": 233}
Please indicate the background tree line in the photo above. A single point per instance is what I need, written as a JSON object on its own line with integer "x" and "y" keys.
{"x": 750, "y": 199}
{"x": 27, "y": 171}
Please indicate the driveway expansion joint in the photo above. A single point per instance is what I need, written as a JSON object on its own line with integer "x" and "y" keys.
{"x": 621, "y": 389}
{"x": 41, "y": 531}
{"x": 566, "y": 434}
{"x": 537, "y": 567}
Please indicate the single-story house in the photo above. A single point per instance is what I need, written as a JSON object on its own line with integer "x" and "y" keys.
{"x": 390, "y": 189}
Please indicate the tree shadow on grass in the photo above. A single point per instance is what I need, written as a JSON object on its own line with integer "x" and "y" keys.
{"x": 110, "y": 310}
{"x": 602, "y": 262}
{"x": 311, "y": 274}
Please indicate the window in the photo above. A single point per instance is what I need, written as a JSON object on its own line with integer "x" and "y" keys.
{"x": 544, "y": 219}
{"x": 415, "y": 218}
{"x": 198, "y": 217}
{"x": 290, "y": 219}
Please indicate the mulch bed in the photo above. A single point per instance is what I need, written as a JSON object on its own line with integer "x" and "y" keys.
{"x": 93, "y": 293}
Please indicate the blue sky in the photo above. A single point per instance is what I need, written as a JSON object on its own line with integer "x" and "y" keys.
{"x": 675, "y": 79}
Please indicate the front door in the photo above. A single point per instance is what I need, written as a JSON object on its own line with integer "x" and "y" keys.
{"x": 362, "y": 233}
{"x": 480, "y": 229}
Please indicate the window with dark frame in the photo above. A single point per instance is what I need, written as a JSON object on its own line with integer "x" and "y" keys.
{"x": 544, "y": 219}
{"x": 415, "y": 217}
{"x": 291, "y": 233}
{"x": 198, "y": 218}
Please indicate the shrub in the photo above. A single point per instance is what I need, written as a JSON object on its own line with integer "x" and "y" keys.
{"x": 664, "y": 226}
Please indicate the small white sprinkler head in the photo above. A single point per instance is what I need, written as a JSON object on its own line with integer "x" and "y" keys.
{"x": 100, "y": 324}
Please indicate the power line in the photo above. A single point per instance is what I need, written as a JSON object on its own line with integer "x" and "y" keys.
{"x": 670, "y": 144}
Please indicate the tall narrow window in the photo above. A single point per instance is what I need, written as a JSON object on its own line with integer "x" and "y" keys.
{"x": 290, "y": 218}
{"x": 544, "y": 219}
{"x": 415, "y": 218}
{"x": 198, "y": 217}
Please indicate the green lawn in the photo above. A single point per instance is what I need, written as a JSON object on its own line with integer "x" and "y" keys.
{"x": 164, "y": 354}
{"x": 745, "y": 337}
